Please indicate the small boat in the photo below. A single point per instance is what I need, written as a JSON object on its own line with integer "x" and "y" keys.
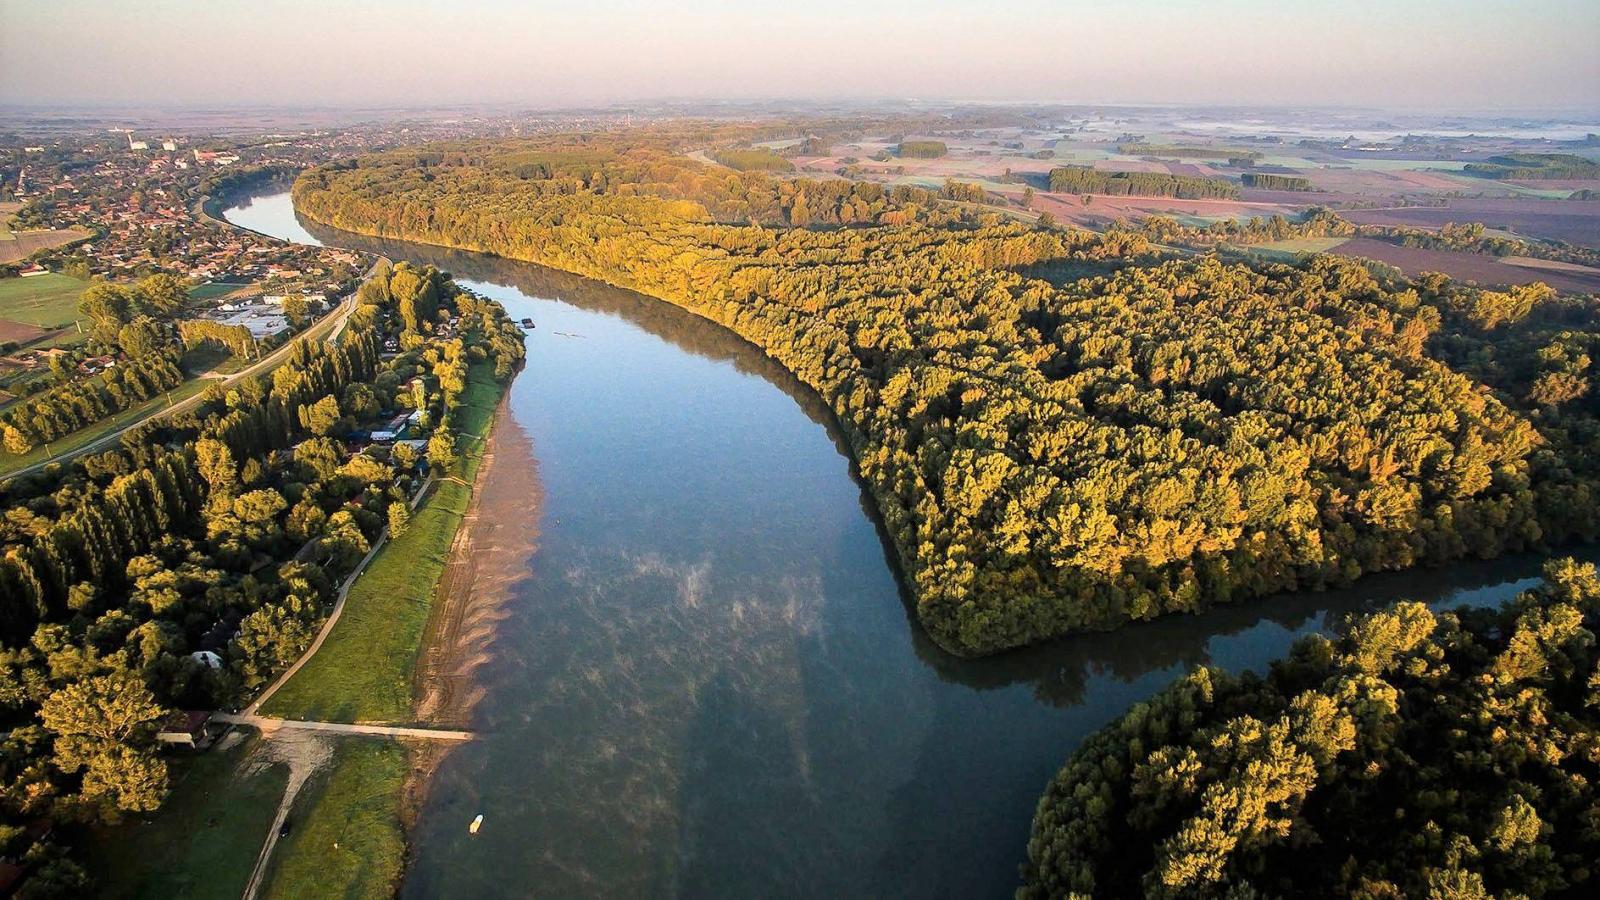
{"x": 528, "y": 324}
{"x": 476, "y": 824}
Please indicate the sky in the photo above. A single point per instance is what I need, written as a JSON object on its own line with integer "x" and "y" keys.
{"x": 1462, "y": 55}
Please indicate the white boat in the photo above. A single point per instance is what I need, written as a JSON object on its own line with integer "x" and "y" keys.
{"x": 476, "y": 824}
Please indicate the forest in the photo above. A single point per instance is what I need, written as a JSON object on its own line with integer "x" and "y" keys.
{"x": 1153, "y": 437}
{"x": 1084, "y": 180}
{"x": 186, "y": 567}
{"x": 1418, "y": 754}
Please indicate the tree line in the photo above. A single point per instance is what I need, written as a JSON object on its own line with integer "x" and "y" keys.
{"x": 1226, "y": 153}
{"x": 752, "y": 159}
{"x": 75, "y": 404}
{"x": 1085, "y": 180}
{"x": 1160, "y": 436}
{"x": 1535, "y": 166}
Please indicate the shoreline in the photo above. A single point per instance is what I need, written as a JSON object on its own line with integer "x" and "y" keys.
{"x": 488, "y": 556}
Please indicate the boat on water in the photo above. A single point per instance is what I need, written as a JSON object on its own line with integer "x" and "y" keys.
{"x": 476, "y": 824}
{"x": 527, "y": 323}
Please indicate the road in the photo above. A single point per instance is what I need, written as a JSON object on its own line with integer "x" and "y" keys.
{"x": 330, "y": 325}
{"x": 270, "y": 724}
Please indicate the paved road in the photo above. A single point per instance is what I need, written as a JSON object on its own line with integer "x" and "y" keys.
{"x": 269, "y": 724}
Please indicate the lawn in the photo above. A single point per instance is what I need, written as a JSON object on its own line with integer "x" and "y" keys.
{"x": 48, "y": 301}
{"x": 204, "y": 840}
{"x": 363, "y": 672}
{"x": 346, "y": 838}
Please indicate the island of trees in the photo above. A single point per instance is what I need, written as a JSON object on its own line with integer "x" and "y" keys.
{"x": 921, "y": 149}
{"x": 1421, "y": 754}
{"x": 1158, "y": 435}
{"x": 185, "y": 568}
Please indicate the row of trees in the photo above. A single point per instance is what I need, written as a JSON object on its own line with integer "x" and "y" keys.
{"x": 1535, "y": 166}
{"x": 1269, "y": 182}
{"x": 1420, "y": 754}
{"x": 223, "y": 529}
{"x": 1085, "y": 180}
{"x": 1227, "y": 153}
{"x": 237, "y": 339}
{"x": 67, "y": 407}
{"x": 1051, "y": 459}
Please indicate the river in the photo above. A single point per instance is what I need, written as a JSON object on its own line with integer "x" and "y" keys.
{"x": 705, "y": 682}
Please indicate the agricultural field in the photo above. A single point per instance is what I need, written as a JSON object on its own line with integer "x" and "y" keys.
{"x": 38, "y": 312}
{"x": 1485, "y": 270}
{"x": 1573, "y": 221}
{"x": 45, "y": 301}
{"x": 1378, "y": 173}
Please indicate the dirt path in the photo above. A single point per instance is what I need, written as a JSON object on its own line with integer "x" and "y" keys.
{"x": 273, "y": 728}
{"x": 304, "y": 752}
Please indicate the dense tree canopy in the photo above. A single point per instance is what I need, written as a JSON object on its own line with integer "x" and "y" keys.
{"x": 1085, "y": 180}
{"x": 1445, "y": 755}
{"x": 1160, "y": 436}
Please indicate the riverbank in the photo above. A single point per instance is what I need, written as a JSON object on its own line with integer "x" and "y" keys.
{"x": 353, "y": 841}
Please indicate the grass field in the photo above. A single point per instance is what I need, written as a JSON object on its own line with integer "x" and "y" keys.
{"x": 204, "y": 840}
{"x": 48, "y": 301}
{"x": 346, "y": 840}
{"x": 363, "y": 672}
{"x": 216, "y": 289}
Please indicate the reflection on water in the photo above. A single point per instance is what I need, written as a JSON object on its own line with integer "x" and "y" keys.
{"x": 706, "y": 683}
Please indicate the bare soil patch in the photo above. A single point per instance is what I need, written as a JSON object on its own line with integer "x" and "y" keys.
{"x": 1485, "y": 270}
{"x": 20, "y": 332}
{"x": 1573, "y": 221}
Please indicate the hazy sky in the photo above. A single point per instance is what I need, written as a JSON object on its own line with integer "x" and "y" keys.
{"x": 1453, "y": 54}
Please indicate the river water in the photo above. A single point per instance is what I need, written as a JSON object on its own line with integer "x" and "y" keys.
{"x": 703, "y": 680}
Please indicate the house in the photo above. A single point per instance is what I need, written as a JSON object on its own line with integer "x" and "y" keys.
{"x": 186, "y": 729}
{"x": 383, "y": 437}
{"x": 34, "y": 269}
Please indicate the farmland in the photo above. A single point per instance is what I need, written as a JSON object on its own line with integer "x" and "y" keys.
{"x": 1470, "y": 266}
{"x": 46, "y": 301}
{"x": 1383, "y": 172}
